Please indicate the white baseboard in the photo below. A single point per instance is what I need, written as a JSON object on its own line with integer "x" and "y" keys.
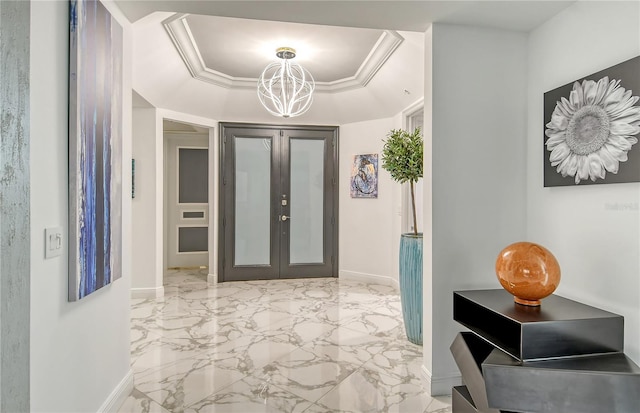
{"x": 212, "y": 279}
{"x": 118, "y": 395}
{"x": 370, "y": 278}
{"x": 440, "y": 386}
{"x": 156, "y": 292}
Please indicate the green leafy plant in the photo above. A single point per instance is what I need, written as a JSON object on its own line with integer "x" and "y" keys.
{"x": 402, "y": 157}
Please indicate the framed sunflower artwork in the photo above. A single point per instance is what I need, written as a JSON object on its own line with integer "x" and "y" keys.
{"x": 591, "y": 128}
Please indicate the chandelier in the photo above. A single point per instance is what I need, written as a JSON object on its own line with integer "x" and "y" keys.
{"x": 285, "y": 88}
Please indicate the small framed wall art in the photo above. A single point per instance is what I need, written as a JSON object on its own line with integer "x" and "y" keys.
{"x": 364, "y": 176}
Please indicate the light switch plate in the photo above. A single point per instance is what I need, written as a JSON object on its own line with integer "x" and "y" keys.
{"x": 53, "y": 242}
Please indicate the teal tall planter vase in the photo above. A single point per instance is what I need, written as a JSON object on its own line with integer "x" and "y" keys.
{"x": 411, "y": 285}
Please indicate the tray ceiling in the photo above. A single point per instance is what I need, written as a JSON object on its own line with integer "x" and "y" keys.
{"x": 232, "y": 52}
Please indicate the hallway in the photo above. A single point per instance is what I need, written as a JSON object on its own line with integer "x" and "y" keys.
{"x": 303, "y": 345}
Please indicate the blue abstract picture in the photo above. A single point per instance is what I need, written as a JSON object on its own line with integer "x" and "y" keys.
{"x": 364, "y": 176}
{"x": 95, "y": 148}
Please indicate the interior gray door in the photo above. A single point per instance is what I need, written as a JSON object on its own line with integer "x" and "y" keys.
{"x": 187, "y": 190}
{"x": 278, "y": 203}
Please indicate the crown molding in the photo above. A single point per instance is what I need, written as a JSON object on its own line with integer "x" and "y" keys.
{"x": 178, "y": 30}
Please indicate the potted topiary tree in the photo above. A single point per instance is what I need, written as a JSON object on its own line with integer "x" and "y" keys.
{"x": 402, "y": 157}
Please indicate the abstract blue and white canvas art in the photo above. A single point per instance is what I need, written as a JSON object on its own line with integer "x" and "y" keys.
{"x": 95, "y": 148}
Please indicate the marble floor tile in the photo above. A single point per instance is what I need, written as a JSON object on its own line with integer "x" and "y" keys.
{"x": 307, "y": 372}
{"x": 376, "y": 324}
{"x": 400, "y": 359}
{"x": 139, "y": 402}
{"x": 367, "y": 391}
{"x": 186, "y": 382}
{"x": 141, "y": 338}
{"x": 251, "y": 395}
{"x": 336, "y": 313}
{"x": 298, "y": 331}
{"x": 248, "y": 358}
{"x": 352, "y": 346}
{"x": 314, "y": 408}
{"x": 160, "y": 353}
{"x": 301, "y": 345}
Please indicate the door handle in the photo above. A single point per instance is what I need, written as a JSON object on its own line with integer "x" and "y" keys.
{"x": 284, "y": 218}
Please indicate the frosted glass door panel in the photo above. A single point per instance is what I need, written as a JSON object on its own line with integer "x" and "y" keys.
{"x": 307, "y": 201}
{"x": 253, "y": 201}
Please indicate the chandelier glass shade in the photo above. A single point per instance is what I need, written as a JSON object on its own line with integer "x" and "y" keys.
{"x": 285, "y": 88}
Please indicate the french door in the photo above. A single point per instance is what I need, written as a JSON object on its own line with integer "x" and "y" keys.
{"x": 278, "y": 202}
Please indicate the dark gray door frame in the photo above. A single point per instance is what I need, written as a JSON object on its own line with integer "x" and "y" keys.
{"x": 280, "y": 135}
{"x": 226, "y": 211}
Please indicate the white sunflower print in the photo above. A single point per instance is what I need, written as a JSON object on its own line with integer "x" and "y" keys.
{"x": 591, "y": 132}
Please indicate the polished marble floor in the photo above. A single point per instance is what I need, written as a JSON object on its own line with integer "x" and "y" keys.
{"x": 307, "y": 345}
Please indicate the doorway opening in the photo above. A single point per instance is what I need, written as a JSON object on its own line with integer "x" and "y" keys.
{"x": 278, "y": 202}
{"x": 186, "y": 200}
{"x": 413, "y": 119}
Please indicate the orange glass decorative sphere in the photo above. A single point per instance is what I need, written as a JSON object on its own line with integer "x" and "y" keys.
{"x": 528, "y": 271}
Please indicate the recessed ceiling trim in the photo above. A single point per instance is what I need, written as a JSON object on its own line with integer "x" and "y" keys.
{"x": 178, "y": 30}
{"x": 182, "y": 38}
{"x": 381, "y": 52}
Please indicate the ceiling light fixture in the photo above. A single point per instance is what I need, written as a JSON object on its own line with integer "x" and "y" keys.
{"x": 285, "y": 88}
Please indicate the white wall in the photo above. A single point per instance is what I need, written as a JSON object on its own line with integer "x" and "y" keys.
{"x": 369, "y": 234}
{"x": 477, "y": 85}
{"x": 147, "y": 206}
{"x": 79, "y": 350}
{"x": 597, "y": 245}
{"x": 427, "y": 205}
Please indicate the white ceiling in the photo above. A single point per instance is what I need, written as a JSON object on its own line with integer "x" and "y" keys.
{"x": 236, "y": 40}
{"x": 169, "y": 126}
{"x": 243, "y": 47}
{"x": 391, "y": 15}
